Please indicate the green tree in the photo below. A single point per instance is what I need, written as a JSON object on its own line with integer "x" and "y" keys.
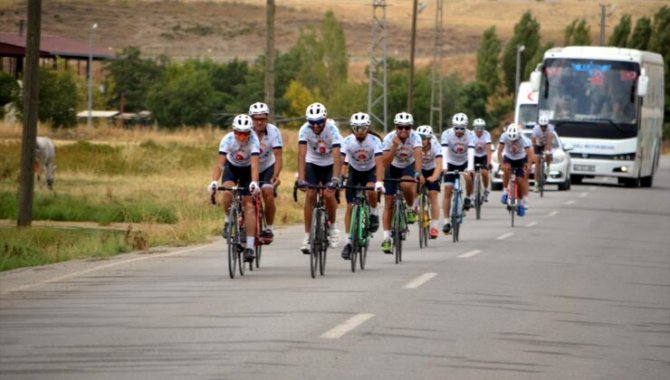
{"x": 660, "y": 43}
{"x": 641, "y": 34}
{"x": 578, "y": 33}
{"x": 185, "y": 96}
{"x": 58, "y": 97}
{"x": 473, "y": 100}
{"x": 298, "y": 97}
{"x": 347, "y": 99}
{"x": 526, "y": 33}
{"x": 335, "y": 58}
{"x": 133, "y": 75}
{"x": 487, "y": 60}
{"x": 9, "y": 91}
{"x": 621, "y": 32}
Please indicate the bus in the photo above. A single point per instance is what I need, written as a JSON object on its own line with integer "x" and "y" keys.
{"x": 525, "y": 110}
{"x": 607, "y": 103}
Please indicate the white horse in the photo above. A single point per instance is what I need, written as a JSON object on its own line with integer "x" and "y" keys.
{"x": 45, "y": 158}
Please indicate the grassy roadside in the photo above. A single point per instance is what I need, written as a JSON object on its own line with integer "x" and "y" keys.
{"x": 152, "y": 182}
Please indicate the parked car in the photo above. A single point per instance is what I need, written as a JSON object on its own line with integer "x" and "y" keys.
{"x": 559, "y": 170}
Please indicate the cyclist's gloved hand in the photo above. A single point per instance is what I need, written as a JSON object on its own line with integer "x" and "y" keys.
{"x": 212, "y": 187}
{"x": 379, "y": 186}
{"x": 334, "y": 183}
{"x": 302, "y": 184}
{"x": 253, "y": 187}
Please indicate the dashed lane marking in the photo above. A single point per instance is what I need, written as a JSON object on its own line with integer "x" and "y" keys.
{"x": 346, "y": 326}
{"x": 531, "y": 224}
{"x": 469, "y": 254}
{"x": 553, "y": 213}
{"x": 419, "y": 280}
{"x": 505, "y": 236}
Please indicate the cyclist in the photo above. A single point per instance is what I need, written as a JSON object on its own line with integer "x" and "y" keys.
{"x": 319, "y": 163}
{"x": 482, "y": 140}
{"x": 402, "y": 159}
{"x": 238, "y": 160}
{"x": 542, "y": 136}
{"x": 270, "y": 161}
{"x": 431, "y": 170}
{"x": 458, "y": 152}
{"x": 514, "y": 152}
{"x": 362, "y": 153}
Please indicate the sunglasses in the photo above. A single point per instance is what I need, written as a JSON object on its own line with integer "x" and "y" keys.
{"x": 259, "y": 118}
{"x": 239, "y": 133}
{"x": 359, "y": 129}
{"x": 316, "y": 122}
{"x": 459, "y": 129}
{"x": 404, "y": 127}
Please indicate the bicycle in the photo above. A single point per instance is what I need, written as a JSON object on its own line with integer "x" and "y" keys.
{"x": 542, "y": 181}
{"x": 399, "y": 226}
{"x": 319, "y": 231}
{"x": 424, "y": 216}
{"x": 512, "y": 196}
{"x": 359, "y": 229}
{"x": 234, "y": 231}
{"x": 479, "y": 196}
{"x": 456, "y": 209}
{"x": 261, "y": 225}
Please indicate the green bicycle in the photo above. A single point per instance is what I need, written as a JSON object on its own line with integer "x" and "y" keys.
{"x": 359, "y": 228}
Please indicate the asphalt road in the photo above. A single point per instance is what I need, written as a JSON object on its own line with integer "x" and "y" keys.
{"x": 580, "y": 289}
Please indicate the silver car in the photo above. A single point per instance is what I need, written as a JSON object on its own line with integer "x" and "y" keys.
{"x": 559, "y": 170}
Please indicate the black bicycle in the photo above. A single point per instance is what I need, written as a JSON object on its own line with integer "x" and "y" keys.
{"x": 424, "y": 215}
{"x": 318, "y": 234}
{"x": 233, "y": 231}
{"x": 479, "y": 192}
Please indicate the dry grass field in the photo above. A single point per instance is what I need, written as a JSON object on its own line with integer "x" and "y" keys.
{"x": 224, "y": 29}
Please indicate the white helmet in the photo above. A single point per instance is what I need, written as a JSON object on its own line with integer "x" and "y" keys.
{"x": 316, "y": 112}
{"x": 403, "y": 118}
{"x": 242, "y": 123}
{"x": 479, "y": 124}
{"x": 259, "y": 109}
{"x": 360, "y": 119}
{"x": 426, "y": 131}
{"x": 543, "y": 120}
{"x": 459, "y": 120}
{"x": 513, "y": 132}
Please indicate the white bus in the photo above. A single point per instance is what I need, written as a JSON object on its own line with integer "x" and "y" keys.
{"x": 608, "y": 104}
{"x": 525, "y": 110}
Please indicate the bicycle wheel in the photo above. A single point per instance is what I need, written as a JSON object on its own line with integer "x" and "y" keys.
{"x": 324, "y": 241}
{"x": 542, "y": 177}
{"x": 424, "y": 219}
{"x": 231, "y": 240}
{"x": 259, "y": 247}
{"x": 353, "y": 236}
{"x": 478, "y": 195}
{"x": 397, "y": 232}
{"x": 513, "y": 206}
{"x": 363, "y": 254}
{"x": 315, "y": 243}
{"x": 454, "y": 217}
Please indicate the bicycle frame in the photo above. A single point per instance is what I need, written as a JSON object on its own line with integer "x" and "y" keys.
{"x": 359, "y": 233}
{"x": 456, "y": 209}
{"x": 478, "y": 191}
{"x": 512, "y": 195}
{"x": 319, "y": 231}
{"x": 235, "y": 231}
{"x": 424, "y": 215}
{"x": 399, "y": 227}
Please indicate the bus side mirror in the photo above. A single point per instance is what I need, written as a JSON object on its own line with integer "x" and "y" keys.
{"x": 535, "y": 79}
{"x": 568, "y": 147}
{"x": 642, "y": 85}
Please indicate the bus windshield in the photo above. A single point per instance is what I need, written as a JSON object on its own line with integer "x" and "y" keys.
{"x": 527, "y": 114}
{"x": 582, "y": 90}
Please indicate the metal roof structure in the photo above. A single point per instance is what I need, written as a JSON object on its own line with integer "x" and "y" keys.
{"x": 14, "y": 45}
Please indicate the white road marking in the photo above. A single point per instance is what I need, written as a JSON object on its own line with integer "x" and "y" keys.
{"x": 346, "y": 326}
{"x": 553, "y": 213}
{"x": 469, "y": 254}
{"x": 570, "y": 202}
{"x": 419, "y": 280}
{"x": 531, "y": 224}
{"x": 505, "y": 236}
{"x": 101, "y": 267}
{"x": 583, "y": 195}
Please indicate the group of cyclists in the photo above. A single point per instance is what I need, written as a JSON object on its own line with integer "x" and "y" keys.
{"x": 251, "y": 157}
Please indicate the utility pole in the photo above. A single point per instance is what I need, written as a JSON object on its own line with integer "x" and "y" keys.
{"x": 270, "y": 57}
{"x": 436, "y": 76}
{"x": 519, "y": 49}
{"x": 410, "y": 84}
{"x": 30, "y": 104}
{"x": 603, "y": 16}
{"x": 377, "y": 82}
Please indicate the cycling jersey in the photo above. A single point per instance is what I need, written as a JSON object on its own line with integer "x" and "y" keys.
{"x": 514, "y": 150}
{"x": 540, "y": 135}
{"x": 271, "y": 140}
{"x": 404, "y": 155}
{"x": 320, "y": 147}
{"x": 239, "y": 154}
{"x": 428, "y": 158}
{"x": 457, "y": 146}
{"x": 481, "y": 142}
{"x": 360, "y": 155}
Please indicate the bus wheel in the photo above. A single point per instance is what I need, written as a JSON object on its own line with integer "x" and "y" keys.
{"x": 576, "y": 179}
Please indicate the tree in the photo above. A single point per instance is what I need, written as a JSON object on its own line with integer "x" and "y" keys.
{"x": 473, "y": 100}
{"x": 621, "y": 32}
{"x": 526, "y": 33}
{"x": 641, "y": 34}
{"x": 335, "y": 58}
{"x": 487, "y": 60}
{"x": 134, "y": 76}
{"x": 660, "y": 43}
{"x": 578, "y": 33}
{"x": 58, "y": 97}
{"x": 298, "y": 97}
{"x": 9, "y": 91}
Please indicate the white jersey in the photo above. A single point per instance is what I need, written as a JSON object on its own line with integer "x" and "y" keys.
{"x": 360, "y": 155}
{"x": 271, "y": 140}
{"x": 540, "y": 135}
{"x": 404, "y": 155}
{"x": 514, "y": 150}
{"x": 320, "y": 147}
{"x": 457, "y": 146}
{"x": 239, "y": 154}
{"x": 481, "y": 142}
{"x": 428, "y": 157}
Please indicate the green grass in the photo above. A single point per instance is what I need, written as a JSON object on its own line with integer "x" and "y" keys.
{"x": 38, "y": 246}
